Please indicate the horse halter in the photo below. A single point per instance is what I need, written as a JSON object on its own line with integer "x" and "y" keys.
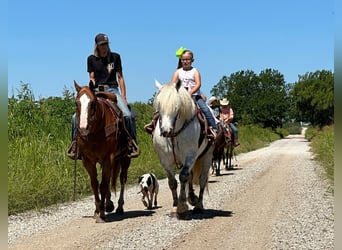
{"x": 185, "y": 124}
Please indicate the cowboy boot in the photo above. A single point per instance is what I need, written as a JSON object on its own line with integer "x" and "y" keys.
{"x": 133, "y": 149}
{"x": 71, "y": 153}
{"x": 149, "y": 127}
{"x": 236, "y": 142}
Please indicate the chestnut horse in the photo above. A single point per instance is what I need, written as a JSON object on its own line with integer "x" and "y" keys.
{"x": 100, "y": 139}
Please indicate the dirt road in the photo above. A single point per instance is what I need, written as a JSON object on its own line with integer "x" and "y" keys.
{"x": 275, "y": 198}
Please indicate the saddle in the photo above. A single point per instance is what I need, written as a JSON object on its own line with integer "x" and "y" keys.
{"x": 228, "y": 132}
{"x": 110, "y": 100}
{"x": 205, "y": 132}
{"x": 107, "y": 95}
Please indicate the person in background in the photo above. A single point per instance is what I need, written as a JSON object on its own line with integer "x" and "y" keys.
{"x": 190, "y": 78}
{"x": 214, "y": 104}
{"x": 227, "y": 116}
{"x": 105, "y": 73}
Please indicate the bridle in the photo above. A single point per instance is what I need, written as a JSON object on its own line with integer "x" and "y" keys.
{"x": 91, "y": 119}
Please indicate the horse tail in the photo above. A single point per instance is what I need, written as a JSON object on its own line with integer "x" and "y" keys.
{"x": 114, "y": 177}
{"x": 196, "y": 173}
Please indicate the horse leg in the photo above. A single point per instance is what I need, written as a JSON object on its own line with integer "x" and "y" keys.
{"x": 109, "y": 202}
{"x": 124, "y": 164}
{"x": 104, "y": 190}
{"x": 182, "y": 207}
{"x": 227, "y": 158}
{"x": 218, "y": 166}
{"x": 192, "y": 198}
{"x": 92, "y": 172}
{"x": 173, "y": 186}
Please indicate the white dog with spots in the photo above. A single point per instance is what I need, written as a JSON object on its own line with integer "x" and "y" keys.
{"x": 149, "y": 188}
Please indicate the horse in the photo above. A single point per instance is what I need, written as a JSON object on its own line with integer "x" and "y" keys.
{"x": 100, "y": 139}
{"x": 218, "y": 154}
{"x": 178, "y": 141}
{"x": 229, "y": 148}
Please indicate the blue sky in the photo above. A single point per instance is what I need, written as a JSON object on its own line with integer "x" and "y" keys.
{"x": 49, "y": 41}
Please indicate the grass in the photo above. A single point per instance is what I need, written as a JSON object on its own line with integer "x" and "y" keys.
{"x": 322, "y": 146}
{"x": 40, "y": 174}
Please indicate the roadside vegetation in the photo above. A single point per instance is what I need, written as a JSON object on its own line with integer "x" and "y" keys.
{"x": 40, "y": 174}
{"x": 322, "y": 146}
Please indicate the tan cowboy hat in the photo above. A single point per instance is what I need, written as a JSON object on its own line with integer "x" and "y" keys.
{"x": 224, "y": 102}
{"x": 211, "y": 100}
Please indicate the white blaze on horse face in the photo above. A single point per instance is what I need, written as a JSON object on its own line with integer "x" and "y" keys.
{"x": 84, "y": 99}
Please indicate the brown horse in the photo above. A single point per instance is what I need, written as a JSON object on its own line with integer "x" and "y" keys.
{"x": 100, "y": 139}
{"x": 218, "y": 154}
{"x": 227, "y": 158}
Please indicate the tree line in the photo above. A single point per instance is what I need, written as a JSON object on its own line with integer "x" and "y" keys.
{"x": 266, "y": 99}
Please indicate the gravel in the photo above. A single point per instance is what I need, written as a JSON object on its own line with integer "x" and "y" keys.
{"x": 302, "y": 218}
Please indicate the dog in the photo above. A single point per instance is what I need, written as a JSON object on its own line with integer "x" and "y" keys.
{"x": 149, "y": 188}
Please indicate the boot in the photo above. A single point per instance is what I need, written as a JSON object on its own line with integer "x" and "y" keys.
{"x": 133, "y": 149}
{"x": 149, "y": 127}
{"x": 236, "y": 142}
{"x": 213, "y": 133}
{"x": 71, "y": 153}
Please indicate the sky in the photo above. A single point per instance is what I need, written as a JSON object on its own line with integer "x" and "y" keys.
{"x": 49, "y": 41}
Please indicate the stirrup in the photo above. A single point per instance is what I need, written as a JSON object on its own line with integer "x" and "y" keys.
{"x": 71, "y": 153}
{"x": 213, "y": 133}
{"x": 134, "y": 150}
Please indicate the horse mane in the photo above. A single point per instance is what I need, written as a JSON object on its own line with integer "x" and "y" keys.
{"x": 180, "y": 98}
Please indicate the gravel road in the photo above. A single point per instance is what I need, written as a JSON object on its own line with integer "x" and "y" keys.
{"x": 275, "y": 198}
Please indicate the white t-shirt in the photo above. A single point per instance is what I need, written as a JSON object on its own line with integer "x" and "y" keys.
{"x": 187, "y": 78}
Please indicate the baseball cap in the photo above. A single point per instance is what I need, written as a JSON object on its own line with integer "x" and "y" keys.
{"x": 101, "y": 39}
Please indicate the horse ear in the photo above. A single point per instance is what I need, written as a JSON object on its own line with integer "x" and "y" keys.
{"x": 178, "y": 84}
{"x": 77, "y": 87}
{"x": 158, "y": 85}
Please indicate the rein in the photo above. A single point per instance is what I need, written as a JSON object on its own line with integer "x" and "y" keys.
{"x": 174, "y": 134}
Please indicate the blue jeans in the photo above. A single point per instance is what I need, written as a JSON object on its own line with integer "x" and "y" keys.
{"x": 204, "y": 108}
{"x": 234, "y": 129}
{"x": 126, "y": 112}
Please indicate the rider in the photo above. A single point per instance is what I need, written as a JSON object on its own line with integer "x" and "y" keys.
{"x": 227, "y": 115}
{"x": 105, "y": 72}
{"x": 191, "y": 79}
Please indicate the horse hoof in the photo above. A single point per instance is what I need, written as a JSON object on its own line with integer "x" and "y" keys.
{"x": 99, "y": 219}
{"x": 110, "y": 207}
{"x": 182, "y": 216}
{"x": 119, "y": 211}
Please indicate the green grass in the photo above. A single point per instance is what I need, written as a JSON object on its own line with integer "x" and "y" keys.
{"x": 40, "y": 174}
{"x": 322, "y": 146}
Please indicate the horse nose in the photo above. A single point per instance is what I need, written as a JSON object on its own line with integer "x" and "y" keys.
{"x": 165, "y": 132}
{"x": 83, "y": 132}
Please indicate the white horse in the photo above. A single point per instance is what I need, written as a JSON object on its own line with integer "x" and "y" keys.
{"x": 178, "y": 141}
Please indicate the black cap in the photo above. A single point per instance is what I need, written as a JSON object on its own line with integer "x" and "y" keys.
{"x": 101, "y": 39}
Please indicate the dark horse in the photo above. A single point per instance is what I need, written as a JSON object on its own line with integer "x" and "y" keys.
{"x": 100, "y": 139}
{"x": 218, "y": 154}
{"x": 227, "y": 159}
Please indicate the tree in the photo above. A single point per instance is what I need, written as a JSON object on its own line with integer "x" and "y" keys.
{"x": 313, "y": 98}
{"x": 256, "y": 99}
